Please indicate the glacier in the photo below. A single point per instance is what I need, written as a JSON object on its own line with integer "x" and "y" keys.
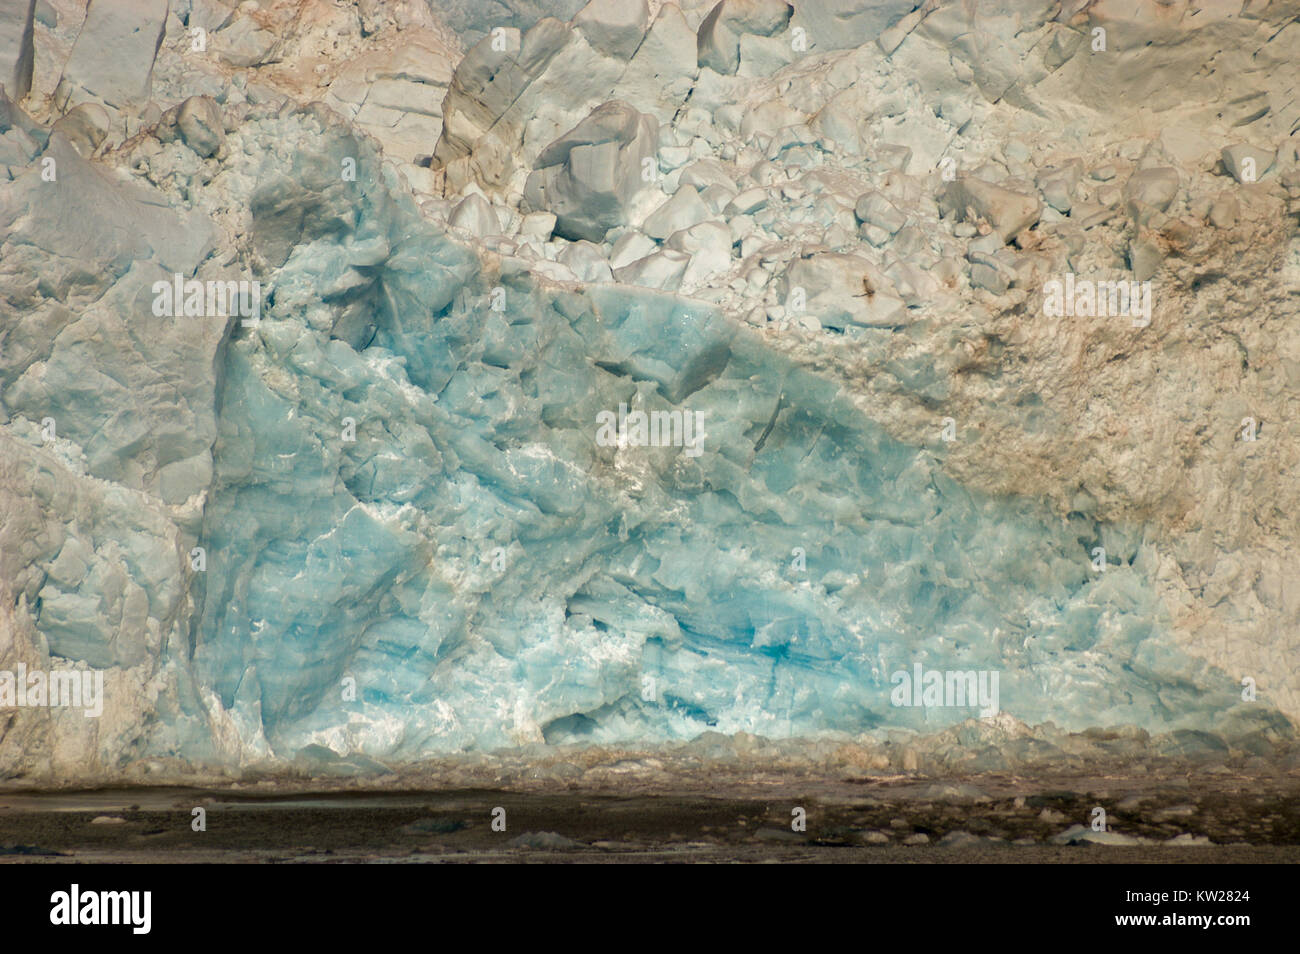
{"x": 490, "y": 576}
{"x": 378, "y": 521}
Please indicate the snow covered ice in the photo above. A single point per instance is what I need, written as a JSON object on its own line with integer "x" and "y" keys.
{"x": 809, "y": 243}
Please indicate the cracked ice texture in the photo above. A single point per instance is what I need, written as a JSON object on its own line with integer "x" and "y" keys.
{"x": 475, "y": 430}
{"x": 378, "y": 559}
{"x": 486, "y": 572}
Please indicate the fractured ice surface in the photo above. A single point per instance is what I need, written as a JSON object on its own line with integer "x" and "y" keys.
{"x": 489, "y": 575}
{"x": 393, "y": 483}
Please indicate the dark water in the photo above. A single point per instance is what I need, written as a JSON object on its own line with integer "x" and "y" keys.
{"x": 985, "y": 818}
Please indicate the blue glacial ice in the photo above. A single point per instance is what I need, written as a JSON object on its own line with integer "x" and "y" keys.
{"x": 486, "y": 574}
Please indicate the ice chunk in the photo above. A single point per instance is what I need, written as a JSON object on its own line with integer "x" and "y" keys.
{"x": 587, "y": 262}
{"x": 475, "y": 214}
{"x": 112, "y": 59}
{"x": 614, "y": 27}
{"x": 1154, "y": 187}
{"x": 85, "y": 127}
{"x": 841, "y": 290}
{"x": 683, "y": 209}
{"x": 200, "y": 124}
{"x": 1242, "y": 159}
{"x": 661, "y": 74}
{"x": 719, "y": 35}
{"x": 589, "y": 177}
{"x": 874, "y": 209}
{"x": 663, "y": 270}
{"x": 1008, "y": 212}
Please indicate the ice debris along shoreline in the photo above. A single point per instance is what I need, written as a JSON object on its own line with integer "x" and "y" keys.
{"x": 377, "y": 521}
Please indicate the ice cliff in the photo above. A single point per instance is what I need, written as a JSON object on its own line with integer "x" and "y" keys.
{"x": 382, "y": 520}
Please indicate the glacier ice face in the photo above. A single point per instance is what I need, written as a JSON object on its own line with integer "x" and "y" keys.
{"x": 490, "y": 575}
{"x": 384, "y": 521}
